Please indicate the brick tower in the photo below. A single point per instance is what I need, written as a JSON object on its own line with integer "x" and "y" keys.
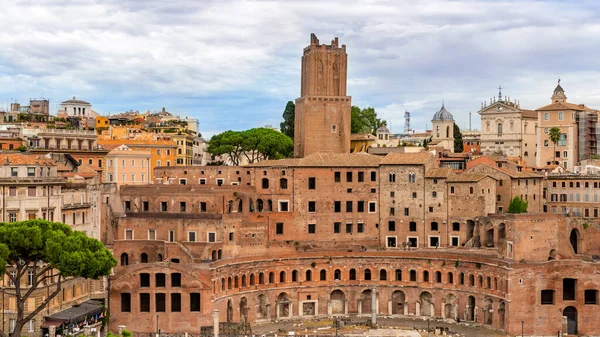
{"x": 322, "y": 117}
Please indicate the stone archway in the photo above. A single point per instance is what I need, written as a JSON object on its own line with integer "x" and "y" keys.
{"x": 398, "y": 299}
{"x": 284, "y": 306}
{"x": 338, "y": 302}
{"x": 426, "y": 301}
{"x": 365, "y": 302}
{"x": 229, "y": 311}
{"x": 571, "y": 314}
{"x": 450, "y": 307}
{"x": 262, "y": 306}
{"x": 501, "y": 315}
{"x": 488, "y": 311}
{"x": 470, "y": 309}
{"x": 244, "y": 310}
{"x": 575, "y": 239}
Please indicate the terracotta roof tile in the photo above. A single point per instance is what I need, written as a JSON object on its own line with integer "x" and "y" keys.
{"x": 325, "y": 160}
{"x": 467, "y": 177}
{"x": 441, "y": 172}
{"x": 419, "y": 158}
{"x": 26, "y": 159}
{"x": 563, "y": 106}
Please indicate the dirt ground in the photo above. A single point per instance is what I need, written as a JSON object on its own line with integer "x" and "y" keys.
{"x": 357, "y": 326}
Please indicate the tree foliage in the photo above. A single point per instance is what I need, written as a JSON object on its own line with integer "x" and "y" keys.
{"x": 52, "y": 252}
{"x": 255, "y": 145}
{"x": 365, "y": 120}
{"x": 458, "y": 141}
{"x": 517, "y": 206}
{"x": 554, "y": 135}
{"x": 287, "y": 126}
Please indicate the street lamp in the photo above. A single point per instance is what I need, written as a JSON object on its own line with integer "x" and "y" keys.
{"x": 522, "y": 328}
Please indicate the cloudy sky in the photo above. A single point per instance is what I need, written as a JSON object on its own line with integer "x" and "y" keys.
{"x": 235, "y": 64}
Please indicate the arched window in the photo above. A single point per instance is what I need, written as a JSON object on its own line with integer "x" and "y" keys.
{"x": 398, "y": 274}
{"x": 261, "y": 278}
{"x": 282, "y": 276}
{"x": 219, "y": 254}
{"x": 251, "y": 279}
{"x": 437, "y": 129}
{"x": 413, "y": 275}
{"x": 223, "y": 284}
{"x": 214, "y": 255}
{"x": 367, "y": 274}
{"x": 236, "y": 282}
{"x": 438, "y": 277}
{"x": 353, "y": 274}
{"x": 392, "y": 177}
{"x": 144, "y": 258}
{"x": 461, "y": 278}
{"x": 411, "y": 177}
{"x": 382, "y": 275}
{"x": 323, "y": 275}
{"x": 159, "y": 257}
{"x": 450, "y": 278}
{"x": 472, "y": 280}
{"x": 271, "y": 277}
{"x": 124, "y": 259}
{"x": 229, "y": 282}
{"x": 294, "y": 276}
{"x": 452, "y": 189}
{"x": 425, "y": 276}
{"x": 308, "y": 275}
{"x": 243, "y": 280}
{"x": 337, "y": 275}
{"x": 499, "y": 128}
{"x": 471, "y": 190}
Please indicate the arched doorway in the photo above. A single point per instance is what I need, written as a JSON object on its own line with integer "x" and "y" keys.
{"x": 501, "y": 313}
{"x": 262, "y": 306}
{"x": 571, "y": 314}
{"x": 338, "y": 302}
{"x": 214, "y": 255}
{"x": 259, "y": 205}
{"x": 229, "y": 311}
{"x": 398, "y": 299}
{"x": 489, "y": 237}
{"x": 284, "y": 304}
{"x": 365, "y": 299}
{"x": 574, "y": 239}
{"x": 471, "y": 309}
{"x": 450, "y": 308}
{"x": 502, "y": 232}
{"x": 426, "y": 304}
{"x": 244, "y": 310}
{"x": 124, "y": 259}
{"x": 488, "y": 311}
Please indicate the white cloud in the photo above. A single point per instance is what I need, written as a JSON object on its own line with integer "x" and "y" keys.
{"x": 234, "y": 64}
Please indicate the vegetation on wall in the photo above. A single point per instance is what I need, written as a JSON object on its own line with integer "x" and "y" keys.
{"x": 517, "y": 206}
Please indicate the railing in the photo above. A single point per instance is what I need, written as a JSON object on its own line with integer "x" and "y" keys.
{"x": 65, "y": 131}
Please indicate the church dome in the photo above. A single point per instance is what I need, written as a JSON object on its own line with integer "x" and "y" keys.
{"x": 382, "y": 129}
{"x": 443, "y": 115}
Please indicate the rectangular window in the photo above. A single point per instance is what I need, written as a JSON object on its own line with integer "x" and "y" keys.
{"x": 125, "y": 302}
{"x": 171, "y": 236}
{"x": 182, "y": 207}
{"x": 312, "y": 183}
{"x": 312, "y": 206}
{"x": 391, "y": 241}
{"x": 144, "y": 302}
{"x": 337, "y": 176}
{"x": 312, "y": 229}
{"x": 434, "y": 241}
{"x": 31, "y": 191}
{"x": 145, "y": 206}
{"x": 283, "y": 206}
{"x": 392, "y": 226}
{"x": 547, "y": 297}
{"x": 192, "y": 236}
{"x": 151, "y": 234}
{"x": 129, "y": 234}
{"x": 406, "y": 211}
{"x": 279, "y": 228}
{"x": 454, "y": 241}
{"x": 361, "y": 177}
{"x": 161, "y": 280}
{"x": 127, "y": 206}
{"x": 14, "y": 171}
{"x": 360, "y": 227}
{"x": 360, "y": 206}
{"x": 163, "y": 206}
{"x": 373, "y": 176}
{"x": 176, "y": 280}
{"x": 434, "y": 194}
{"x": 337, "y": 206}
{"x": 159, "y": 303}
{"x": 203, "y": 206}
{"x": 569, "y": 289}
{"x": 349, "y": 228}
{"x": 195, "y": 302}
{"x": 12, "y": 191}
{"x": 212, "y": 237}
{"x": 202, "y": 181}
{"x": 372, "y": 207}
{"x": 31, "y": 171}
{"x": 590, "y": 296}
{"x": 337, "y": 227}
{"x": 349, "y": 206}
{"x": 349, "y": 177}
{"x": 182, "y": 181}
{"x": 175, "y": 302}
{"x": 392, "y": 211}
{"x": 144, "y": 280}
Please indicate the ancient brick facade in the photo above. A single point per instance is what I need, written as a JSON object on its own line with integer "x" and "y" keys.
{"x": 313, "y": 236}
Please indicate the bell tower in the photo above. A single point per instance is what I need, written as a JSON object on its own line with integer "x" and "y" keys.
{"x": 322, "y": 116}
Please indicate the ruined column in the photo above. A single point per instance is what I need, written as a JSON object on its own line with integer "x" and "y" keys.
{"x": 418, "y": 309}
{"x": 346, "y": 306}
{"x": 373, "y": 306}
{"x": 216, "y": 323}
{"x": 52, "y": 331}
{"x": 405, "y": 308}
{"x": 329, "y": 308}
{"x": 359, "y": 307}
{"x": 390, "y": 311}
